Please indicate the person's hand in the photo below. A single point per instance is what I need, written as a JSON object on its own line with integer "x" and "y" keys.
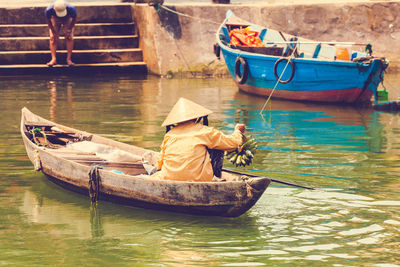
{"x": 240, "y": 127}
{"x": 53, "y": 38}
{"x": 68, "y": 35}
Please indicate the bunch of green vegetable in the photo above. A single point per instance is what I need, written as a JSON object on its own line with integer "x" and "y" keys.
{"x": 244, "y": 154}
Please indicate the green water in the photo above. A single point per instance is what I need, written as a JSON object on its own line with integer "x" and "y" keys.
{"x": 351, "y": 154}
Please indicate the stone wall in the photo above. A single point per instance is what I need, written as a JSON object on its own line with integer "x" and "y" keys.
{"x": 174, "y": 43}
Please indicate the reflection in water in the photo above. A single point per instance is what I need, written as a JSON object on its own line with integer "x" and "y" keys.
{"x": 289, "y": 224}
{"x": 70, "y": 100}
{"x": 53, "y": 100}
{"x": 96, "y": 225}
{"x": 179, "y": 243}
{"x": 330, "y": 147}
{"x": 313, "y": 142}
{"x": 319, "y": 143}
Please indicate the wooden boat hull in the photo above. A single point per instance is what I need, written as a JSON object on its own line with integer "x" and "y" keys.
{"x": 71, "y": 171}
{"x": 305, "y": 79}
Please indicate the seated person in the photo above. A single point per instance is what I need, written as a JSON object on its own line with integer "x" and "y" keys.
{"x": 185, "y": 149}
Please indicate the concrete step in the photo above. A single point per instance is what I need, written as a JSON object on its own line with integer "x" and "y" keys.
{"x": 107, "y": 13}
{"x": 80, "y": 43}
{"x": 82, "y": 29}
{"x": 105, "y": 41}
{"x": 138, "y": 68}
{"x": 79, "y": 57}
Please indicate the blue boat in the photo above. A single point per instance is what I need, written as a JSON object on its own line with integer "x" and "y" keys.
{"x": 294, "y": 68}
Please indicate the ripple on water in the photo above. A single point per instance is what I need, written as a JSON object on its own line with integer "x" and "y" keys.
{"x": 361, "y": 231}
{"x": 393, "y": 222}
{"x": 343, "y": 149}
{"x": 244, "y": 264}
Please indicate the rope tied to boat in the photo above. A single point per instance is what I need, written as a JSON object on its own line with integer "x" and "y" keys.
{"x": 251, "y": 191}
{"x": 158, "y": 5}
{"x": 280, "y": 77}
{"x": 37, "y": 164}
{"x": 94, "y": 183}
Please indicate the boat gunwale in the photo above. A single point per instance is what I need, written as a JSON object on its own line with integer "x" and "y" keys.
{"x": 314, "y": 61}
{"x": 255, "y": 55}
{"x": 127, "y": 176}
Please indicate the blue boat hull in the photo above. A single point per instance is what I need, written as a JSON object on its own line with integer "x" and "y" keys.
{"x": 304, "y": 79}
{"x": 313, "y": 80}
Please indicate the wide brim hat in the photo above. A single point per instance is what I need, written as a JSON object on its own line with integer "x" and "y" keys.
{"x": 60, "y": 7}
{"x": 185, "y": 110}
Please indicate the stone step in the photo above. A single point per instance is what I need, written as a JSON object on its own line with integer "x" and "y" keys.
{"x": 80, "y": 43}
{"x": 138, "y": 68}
{"x": 79, "y": 57}
{"x": 105, "y": 41}
{"x": 107, "y": 13}
{"x": 81, "y": 29}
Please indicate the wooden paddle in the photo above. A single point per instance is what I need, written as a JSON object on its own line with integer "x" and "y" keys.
{"x": 273, "y": 180}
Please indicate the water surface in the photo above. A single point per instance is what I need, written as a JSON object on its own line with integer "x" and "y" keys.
{"x": 350, "y": 154}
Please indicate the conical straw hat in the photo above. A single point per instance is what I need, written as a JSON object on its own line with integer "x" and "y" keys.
{"x": 185, "y": 110}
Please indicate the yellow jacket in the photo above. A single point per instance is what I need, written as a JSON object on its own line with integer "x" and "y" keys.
{"x": 184, "y": 155}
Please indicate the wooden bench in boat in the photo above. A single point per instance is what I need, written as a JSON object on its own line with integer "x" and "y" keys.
{"x": 53, "y": 134}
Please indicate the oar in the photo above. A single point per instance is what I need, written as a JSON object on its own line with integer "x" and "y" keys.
{"x": 273, "y": 180}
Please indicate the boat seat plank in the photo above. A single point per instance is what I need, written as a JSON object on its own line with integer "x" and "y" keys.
{"x": 55, "y": 133}
{"x": 76, "y": 157}
{"x": 114, "y": 164}
{"x": 262, "y": 34}
{"x": 71, "y": 152}
{"x": 39, "y": 124}
{"x": 49, "y": 128}
{"x": 81, "y": 157}
{"x": 317, "y": 50}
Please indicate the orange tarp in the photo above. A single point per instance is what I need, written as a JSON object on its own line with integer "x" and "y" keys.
{"x": 245, "y": 37}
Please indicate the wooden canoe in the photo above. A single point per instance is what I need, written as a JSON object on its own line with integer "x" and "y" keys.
{"x": 67, "y": 157}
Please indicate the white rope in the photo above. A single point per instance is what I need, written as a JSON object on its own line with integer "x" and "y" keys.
{"x": 201, "y": 19}
{"x": 279, "y": 80}
{"x": 188, "y": 16}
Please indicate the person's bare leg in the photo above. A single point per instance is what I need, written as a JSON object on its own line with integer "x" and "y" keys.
{"x": 69, "y": 38}
{"x": 70, "y": 46}
{"x": 53, "y": 49}
{"x": 53, "y": 44}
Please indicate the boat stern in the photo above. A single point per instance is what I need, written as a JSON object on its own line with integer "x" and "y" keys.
{"x": 377, "y": 66}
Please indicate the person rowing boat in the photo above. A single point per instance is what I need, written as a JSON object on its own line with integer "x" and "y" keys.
{"x": 191, "y": 150}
